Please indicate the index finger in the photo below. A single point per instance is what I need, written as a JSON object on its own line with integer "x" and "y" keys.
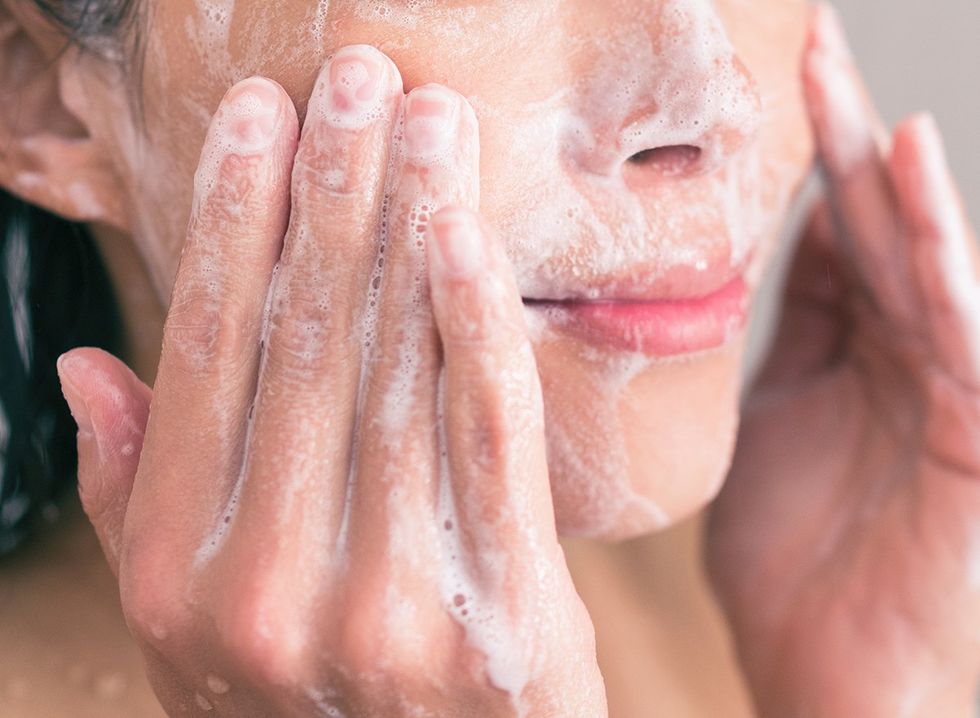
{"x": 848, "y": 134}
{"x": 207, "y": 373}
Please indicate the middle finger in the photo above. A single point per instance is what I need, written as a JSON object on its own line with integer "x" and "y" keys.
{"x": 299, "y": 445}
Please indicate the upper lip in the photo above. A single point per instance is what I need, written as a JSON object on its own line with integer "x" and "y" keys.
{"x": 648, "y": 283}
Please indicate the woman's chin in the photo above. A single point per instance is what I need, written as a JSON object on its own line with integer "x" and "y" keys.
{"x": 620, "y": 515}
{"x": 634, "y": 448}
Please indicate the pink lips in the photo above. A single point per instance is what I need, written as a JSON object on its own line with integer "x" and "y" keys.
{"x": 657, "y": 328}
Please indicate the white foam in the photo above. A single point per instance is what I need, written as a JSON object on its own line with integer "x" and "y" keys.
{"x": 567, "y": 234}
{"x": 482, "y": 613}
{"x": 352, "y": 74}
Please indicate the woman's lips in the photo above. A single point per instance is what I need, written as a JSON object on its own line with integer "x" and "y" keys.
{"x": 657, "y": 328}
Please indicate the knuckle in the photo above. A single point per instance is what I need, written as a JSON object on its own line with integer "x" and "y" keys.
{"x": 265, "y": 638}
{"x": 151, "y": 591}
{"x": 233, "y": 195}
{"x": 204, "y": 328}
{"x": 98, "y": 500}
{"x": 468, "y": 331}
{"x": 359, "y": 648}
{"x": 305, "y": 329}
{"x": 479, "y": 314}
{"x": 331, "y": 166}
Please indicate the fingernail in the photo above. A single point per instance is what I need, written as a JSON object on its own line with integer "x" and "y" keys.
{"x": 431, "y": 119}
{"x": 459, "y": 243}
{"x": 352, "y": 89}
{"x": 70, "y": 369}
{"x": 250, "y": 114}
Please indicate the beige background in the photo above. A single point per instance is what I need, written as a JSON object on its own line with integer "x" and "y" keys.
{"x": 924, "y": 55}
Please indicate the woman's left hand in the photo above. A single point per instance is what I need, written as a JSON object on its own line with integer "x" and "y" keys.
{"x": 846, "y": 544}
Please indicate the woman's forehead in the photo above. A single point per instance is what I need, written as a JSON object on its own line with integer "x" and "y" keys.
{"x": 240, "y": 37}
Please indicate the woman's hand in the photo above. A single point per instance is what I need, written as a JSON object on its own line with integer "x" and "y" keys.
{"x": 341, "y": 505}
{"x": 846, "y": 544}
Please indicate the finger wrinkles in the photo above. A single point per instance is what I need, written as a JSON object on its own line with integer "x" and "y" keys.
{"x": 205, "y": 331}
{"x": 302, "y": 433}
{"x": 241, "y": 165}
{"x": 493, "y": 404}
{"x": 343, "y": 158}
{"x": 394, "y": 486}
{"x": 311, "y": 331}
{"x": 206, "y": 380}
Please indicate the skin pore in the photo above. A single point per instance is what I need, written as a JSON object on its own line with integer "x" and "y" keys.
{"x": 538, "y": 91}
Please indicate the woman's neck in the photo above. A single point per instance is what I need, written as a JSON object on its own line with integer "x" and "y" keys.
{"x": 661, "y": 637}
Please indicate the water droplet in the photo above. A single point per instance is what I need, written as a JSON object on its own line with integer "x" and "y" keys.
{"x": 110, "y": 686}
{"x": 218, "y": 685}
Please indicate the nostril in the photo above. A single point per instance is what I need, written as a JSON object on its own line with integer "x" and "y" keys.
{"x": 667, "y": 161}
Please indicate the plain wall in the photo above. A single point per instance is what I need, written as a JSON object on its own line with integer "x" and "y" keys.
{"x": 925, "y": 55}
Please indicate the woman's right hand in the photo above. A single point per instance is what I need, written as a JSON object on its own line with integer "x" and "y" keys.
{"x": 340, "y": 502}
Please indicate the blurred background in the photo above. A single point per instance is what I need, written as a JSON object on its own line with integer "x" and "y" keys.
{"x": 924, "y": 55}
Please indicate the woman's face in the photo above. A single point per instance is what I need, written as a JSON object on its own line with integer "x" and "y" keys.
{"x": 572, "y": 96}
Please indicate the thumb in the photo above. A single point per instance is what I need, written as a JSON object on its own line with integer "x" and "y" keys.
{"x": 110, "y": 405}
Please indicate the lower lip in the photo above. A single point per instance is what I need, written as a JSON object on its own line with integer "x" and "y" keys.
{"x": 657, "y": 328}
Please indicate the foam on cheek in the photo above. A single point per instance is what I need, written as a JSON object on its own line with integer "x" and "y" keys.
{"x": 318, "y": 28}
{"x": 401, "y": 14}
{"x": 217, "y": 19}
{"x": 591, "y": 455}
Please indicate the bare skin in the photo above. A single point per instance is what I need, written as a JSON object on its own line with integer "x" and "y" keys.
{"x": 106, "y": 480}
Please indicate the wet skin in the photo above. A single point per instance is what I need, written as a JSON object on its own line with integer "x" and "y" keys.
{"x": 671, "y": 401}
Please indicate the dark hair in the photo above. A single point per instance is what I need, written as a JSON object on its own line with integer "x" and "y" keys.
{"x": 55, "y": 294}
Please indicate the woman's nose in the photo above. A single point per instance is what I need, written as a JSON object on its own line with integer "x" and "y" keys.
{"x": 692, "y": 104}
